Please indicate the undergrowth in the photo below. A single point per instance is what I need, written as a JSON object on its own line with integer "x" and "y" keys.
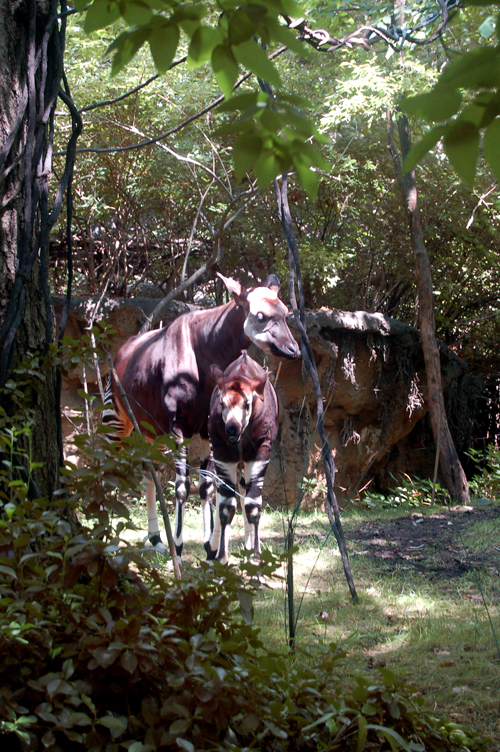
{"x": 101, "y": 649}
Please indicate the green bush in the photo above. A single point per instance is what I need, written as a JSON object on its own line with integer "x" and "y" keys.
{"x": 101, "y": 649}
{"x": 409, "y": 492}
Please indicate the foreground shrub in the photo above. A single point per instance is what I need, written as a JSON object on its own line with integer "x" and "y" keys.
{"x": 100, "y": 650}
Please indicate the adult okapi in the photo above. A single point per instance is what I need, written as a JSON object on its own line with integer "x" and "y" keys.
{"x": 166, "y": 375}
{"x": 242, "y": 424}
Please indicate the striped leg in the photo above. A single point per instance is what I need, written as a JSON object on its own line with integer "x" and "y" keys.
{"x": 153, "y": 525}
{"x": 253, "y": 481}
{"x": 182, "y": 487}
{"x": 224, "y": 513}
{"x": 207, "y": 491}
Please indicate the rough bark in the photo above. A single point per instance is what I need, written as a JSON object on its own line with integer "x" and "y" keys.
{"x": 31, "y": 45}
{"x": 449, "y": 463}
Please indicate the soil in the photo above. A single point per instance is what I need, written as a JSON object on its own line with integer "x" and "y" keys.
{"x": 435, "y": 544}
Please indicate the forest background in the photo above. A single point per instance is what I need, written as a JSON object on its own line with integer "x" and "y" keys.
{"x": 146, "y": 219}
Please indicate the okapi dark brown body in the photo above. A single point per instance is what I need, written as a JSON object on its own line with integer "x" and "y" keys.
{"x": 168, "y": 382}
{"x": 242, "y": 425}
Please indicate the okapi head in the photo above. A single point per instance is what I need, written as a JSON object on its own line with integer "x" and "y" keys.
{"x": 265, "y": 323}
{"x": 237, "y": 391}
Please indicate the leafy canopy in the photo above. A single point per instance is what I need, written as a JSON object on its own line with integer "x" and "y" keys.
{"x": 464, "y": 105}
{"x": 271, "y": 129}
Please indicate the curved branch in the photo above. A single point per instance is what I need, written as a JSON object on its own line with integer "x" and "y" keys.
{"x": 177, "y": 128}
{"x": 107, "y": 102}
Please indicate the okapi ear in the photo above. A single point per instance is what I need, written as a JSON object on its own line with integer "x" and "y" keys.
{"x": 216, "y": 374}
{"x": 235, "y": 288}
{"x": 258, "y": 386}
{"x": 273, "y": 283}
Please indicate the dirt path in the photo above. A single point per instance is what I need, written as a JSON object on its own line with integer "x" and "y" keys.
{"x": 433, "y": 543}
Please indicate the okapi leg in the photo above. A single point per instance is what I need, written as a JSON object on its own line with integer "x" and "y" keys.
{"x": 182, "y": 486}
{"x": 253, "y": 481}
{"x": 207, "y": 491}
{"x": 224, "y": 513}
{"x": 153, "y": 525}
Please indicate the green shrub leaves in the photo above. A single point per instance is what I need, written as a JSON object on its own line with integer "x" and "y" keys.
{"x": 466, "y": 100}
{"x": 234, "y": 40}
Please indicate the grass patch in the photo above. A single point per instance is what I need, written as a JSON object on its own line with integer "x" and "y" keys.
{"x": 428, "y": 600}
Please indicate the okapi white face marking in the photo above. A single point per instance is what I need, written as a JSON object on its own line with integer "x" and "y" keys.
{"x": 265, "y": 324}
{"x": 236, "y": 401}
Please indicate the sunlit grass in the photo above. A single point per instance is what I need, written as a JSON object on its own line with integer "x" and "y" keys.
{"x": 435, "y": 632}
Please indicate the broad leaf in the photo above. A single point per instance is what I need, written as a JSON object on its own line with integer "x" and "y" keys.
{"x": 271, "y": 120}
{"x": 461, "y": 144}
{"x": 163, "y": 43}
{"x": 491, "y": 147}
{"x": 126, "y": 45}
{"x": 225, "y": 69}
{"x": 136, "y": 12}
{"x": 252, "y": 56}
{"x": 267, "y": 168}
{"x": 246, "y": 150}
{"x": 474, "y": 70}
{"x": 240, "y": 102}
{"x": 439, "y": 104}
{"x": 286, "y": 36}
{"x": 203, "y": 41}
{"x": 419, "y": 150}
{"x": 101, "y": 13}
{"x": 244, "y": 22}
{"x": 308, "y": 178}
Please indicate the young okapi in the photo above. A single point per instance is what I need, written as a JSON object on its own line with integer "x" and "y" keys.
{"x": 166, "y": 376}
{"x": 242, "y": 424}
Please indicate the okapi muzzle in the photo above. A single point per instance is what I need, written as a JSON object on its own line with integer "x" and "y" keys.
{"x": 236, "y": 398}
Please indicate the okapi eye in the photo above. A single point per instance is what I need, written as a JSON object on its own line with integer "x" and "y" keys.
{"x": 260, "y": 316}
{"x": 247, "y": 404}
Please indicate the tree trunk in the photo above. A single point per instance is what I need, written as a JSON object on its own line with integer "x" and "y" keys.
{"x": 449, "y": 463}
{"x": 31, "y": 50}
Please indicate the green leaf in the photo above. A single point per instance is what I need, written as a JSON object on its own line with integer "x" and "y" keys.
{"x": 129, "y": 661}
{"x": 252, "y": 56}
{"x": 286, "y": 36}
{"x": 184, "y": 744}
{"x": 8, "y": 571}
{"x": 307, "y": 177}
{"x": 180, "y": 725}
{"x": 362, "y": 734}
{"x": 395, "y": 740}
{"x": 461, "y": 144}
{"x": 244, "y": 22}
{"x": 316, "y": 158}
{"x": 225, "y": 68}
{"x": 419, "y": 150}
{"x": 491, "y": 147}
{"x": 163, "y": 43}
{"x": 266, "y": 168}
{"x": 271, "y": 120}
{"x": 136, "y": 12}
{"x": 474, "y": 70}
{"x": 439, "y": 104}
{"x": 117, "y": 724}
{"x": 487, "y": 28}
{"x": 101, "y": 13}
{"x": 240, "y": 102}
{"x": 126, "y": 45}
{"x": 203, "y": 41}
{"x": 246, "y": 150}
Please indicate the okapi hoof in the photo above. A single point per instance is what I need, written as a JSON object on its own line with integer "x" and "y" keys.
{"x": 210, "y": 554}
{"x": 156, "y": 543}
